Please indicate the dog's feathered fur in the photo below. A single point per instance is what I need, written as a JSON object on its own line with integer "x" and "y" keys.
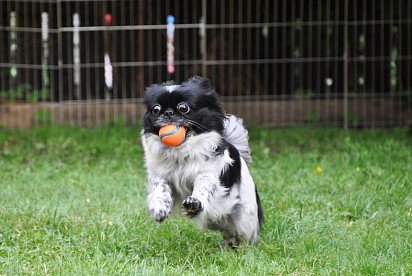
{"x": 207, "y": 174}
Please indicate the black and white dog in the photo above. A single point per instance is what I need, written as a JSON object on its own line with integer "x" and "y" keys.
{"x": 208, "y": 173}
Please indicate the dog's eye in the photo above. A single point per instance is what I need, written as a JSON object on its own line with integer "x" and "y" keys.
{"x": 183, "y": 108}
{"x": 156, "y": 109}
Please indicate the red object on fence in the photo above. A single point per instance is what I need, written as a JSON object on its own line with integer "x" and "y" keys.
{"x": 108, "y": 19}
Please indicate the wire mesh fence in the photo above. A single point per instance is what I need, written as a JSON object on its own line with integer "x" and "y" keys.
{"x": 274, "y": 62}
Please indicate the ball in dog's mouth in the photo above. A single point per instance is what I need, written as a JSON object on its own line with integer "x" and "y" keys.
{"x": 172, "y": 135}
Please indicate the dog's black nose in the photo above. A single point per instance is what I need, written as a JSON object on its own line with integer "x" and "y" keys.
{"x": 169, "y": 112}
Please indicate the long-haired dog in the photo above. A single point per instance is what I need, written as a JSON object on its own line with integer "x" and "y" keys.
{"x": 207, "y": 175}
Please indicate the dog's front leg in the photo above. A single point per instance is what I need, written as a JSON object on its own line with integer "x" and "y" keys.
{"x": 159, "y": 199}
{"x": 206, "y": 189}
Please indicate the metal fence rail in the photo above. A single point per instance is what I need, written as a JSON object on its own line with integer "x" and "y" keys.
{"x": 274, "y": 62}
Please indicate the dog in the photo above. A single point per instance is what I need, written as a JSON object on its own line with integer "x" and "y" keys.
{"x": 207, "y": 175}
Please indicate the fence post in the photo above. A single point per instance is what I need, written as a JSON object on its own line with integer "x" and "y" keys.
{"x": 345, "y": 67}
{"x": 60, "y": 54}
{"x": 203, "y": 36}
{"x": 170, "y": 45}
{"x": 108, "y": 68}
{"x": 76, "y": 55}
{"x": 45, "y": 52}
{"x": 13, "y": 47}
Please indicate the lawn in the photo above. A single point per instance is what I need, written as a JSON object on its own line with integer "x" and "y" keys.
{"x": 72, "y": 201}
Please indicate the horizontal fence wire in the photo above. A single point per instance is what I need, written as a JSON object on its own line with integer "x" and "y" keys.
{"x": 209, "y": 62}
{"x": 274, "y": 62}
{"x": 210, "y": 26}
{"x": 198, "y": 62}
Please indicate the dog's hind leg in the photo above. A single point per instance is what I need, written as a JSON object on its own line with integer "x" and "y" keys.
{"x": 246, "y": 223}
{"x": 229, "y": 240}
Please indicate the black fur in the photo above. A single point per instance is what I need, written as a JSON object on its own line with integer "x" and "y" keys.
{"x": 261, "y": 217}
{"x": 206, "y": 112}
{"x": 231, "y": 175}
{"x": 192, "y": 206}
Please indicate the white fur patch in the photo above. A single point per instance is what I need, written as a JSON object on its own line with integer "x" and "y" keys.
{"x": 181, "y": 165}
{"x": 159, "y": 199}
{"x": 171, "y": 88}
{"x": 236, "y": 134}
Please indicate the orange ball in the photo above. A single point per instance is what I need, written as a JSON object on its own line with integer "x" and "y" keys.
{"x": 172, "y": 135}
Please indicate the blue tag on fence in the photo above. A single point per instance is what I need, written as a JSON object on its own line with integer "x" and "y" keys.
{"x": 170, "y": 19}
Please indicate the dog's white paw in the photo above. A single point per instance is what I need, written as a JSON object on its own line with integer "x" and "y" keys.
{"x": 159, "y": 211}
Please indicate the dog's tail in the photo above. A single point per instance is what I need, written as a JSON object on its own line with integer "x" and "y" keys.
{"x": 236, "y": 134}
{"x": 261, "y": 217}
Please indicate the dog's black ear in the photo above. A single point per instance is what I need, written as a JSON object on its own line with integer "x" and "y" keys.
{"x": 206, "y": 95}
{"x": 151, "y": 92}
{"x": 201, "y": 82}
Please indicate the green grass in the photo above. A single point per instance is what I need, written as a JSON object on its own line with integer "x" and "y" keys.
{"x": 72, "y": 201}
